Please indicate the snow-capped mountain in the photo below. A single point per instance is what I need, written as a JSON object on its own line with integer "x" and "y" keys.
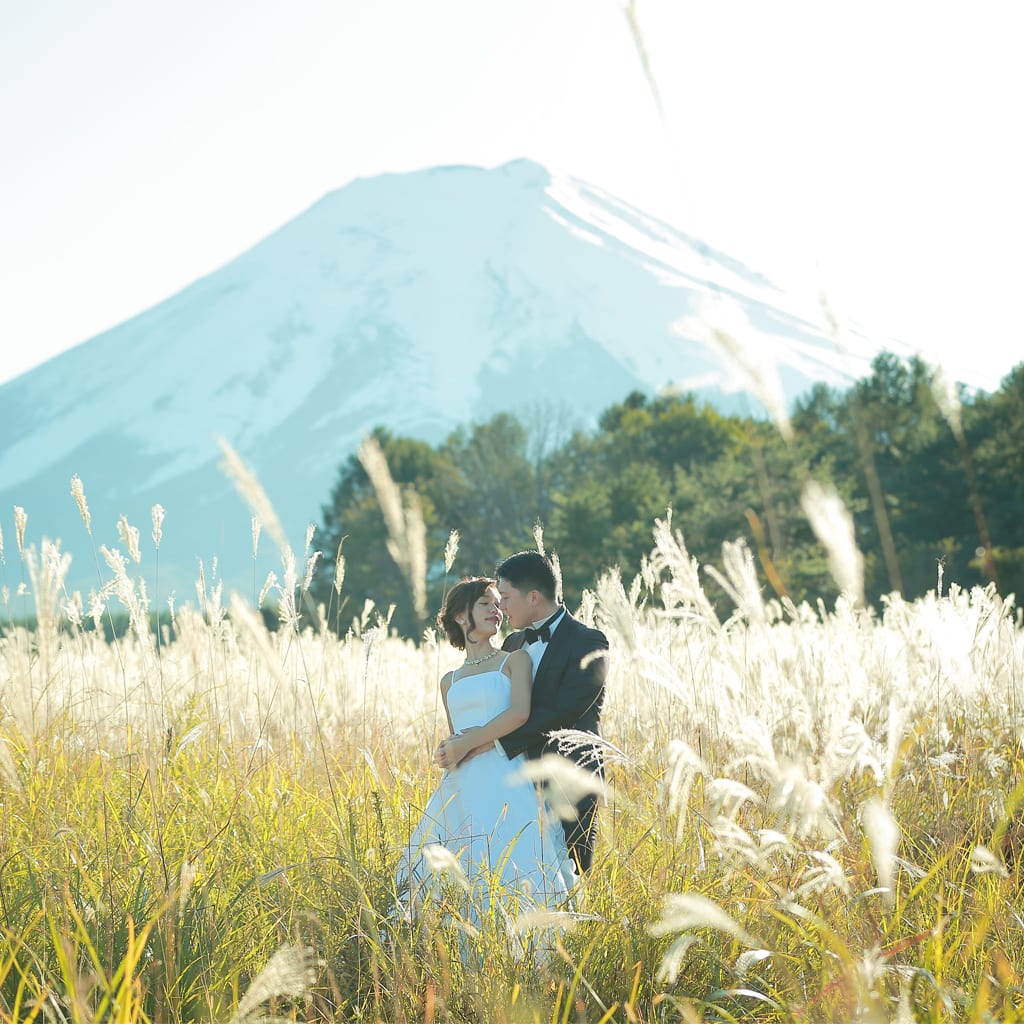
{"x": 419, "y": 301}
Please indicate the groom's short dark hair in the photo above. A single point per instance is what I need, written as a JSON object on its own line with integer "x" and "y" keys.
{"x": 529, "y": 570}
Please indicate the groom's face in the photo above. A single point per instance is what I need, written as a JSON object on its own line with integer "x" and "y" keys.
{"x": 518, "y": 606}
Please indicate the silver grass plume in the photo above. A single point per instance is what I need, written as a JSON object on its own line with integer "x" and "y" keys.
{"x": 684, "y": 912}
{"x": 740, "y": 580}
{"x": 78, "y": 493}
{"x": 722, "y": 325}
{"x": 440, "y": 860}
{"x": 256, "y": 527}
{"x": 339, "y": 569}
{"x": 985, "y": 862}
{"x": 290, "y": 972}
{"x": 556, "y": 571}
{"x": 726, "y": 796}
{"x": 407, "y": 541}
{"x": 684, "y": 766}
{"x": 565, "y": 783}
{"x": 20, "y": 522}
{"x": 947, "y": 398}
{"x": 538, "y": 535}
{"x": 615, "y": 611}
{"x": 826, "y": 873}
{"x": 157, "y": 513}
{"x": 130, "y": 538}
{"x": 748, "y": 959}
{"x": 270, "y": 581}
{"x": 833, "y": 526}
{"x": 252, "y": 492}
{"x": 451, "y": 550}
{"x": 883, "y": 841}
{"x": 310, "y": 569}
{"x": 682, "y": 590}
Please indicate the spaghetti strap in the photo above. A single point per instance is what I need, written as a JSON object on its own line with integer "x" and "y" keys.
{"x": 501, "y": 667}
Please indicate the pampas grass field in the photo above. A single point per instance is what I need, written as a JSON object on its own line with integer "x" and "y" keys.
{"x": 813, "y": 813}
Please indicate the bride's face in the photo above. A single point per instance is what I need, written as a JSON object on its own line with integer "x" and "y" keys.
{"x": 486, "y": 615}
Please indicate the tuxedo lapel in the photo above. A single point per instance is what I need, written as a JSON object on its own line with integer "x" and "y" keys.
{"x": 556, "y": 654}
{"x": 514, "y": 641}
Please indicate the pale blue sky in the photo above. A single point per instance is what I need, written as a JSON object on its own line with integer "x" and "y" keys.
{"x": 871, "y": 149}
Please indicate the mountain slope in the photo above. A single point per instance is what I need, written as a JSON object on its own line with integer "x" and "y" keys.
{"x": 419, "y": 301}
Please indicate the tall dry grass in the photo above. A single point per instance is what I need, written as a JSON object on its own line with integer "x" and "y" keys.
{"x": 813, "y": 812}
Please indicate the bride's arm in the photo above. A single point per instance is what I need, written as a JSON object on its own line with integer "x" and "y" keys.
{"x": 446, "y": 684}
{"x": 520, "y": 671}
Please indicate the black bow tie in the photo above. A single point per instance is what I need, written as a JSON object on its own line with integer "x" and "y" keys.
{"x": 543, "y": 631}
{"x": 533, "y": 635}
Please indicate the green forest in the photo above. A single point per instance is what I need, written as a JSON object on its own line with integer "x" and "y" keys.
{"x": 929, "y": 485}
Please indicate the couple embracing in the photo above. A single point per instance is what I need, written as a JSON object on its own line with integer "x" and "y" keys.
{"x": 503, "y": 704}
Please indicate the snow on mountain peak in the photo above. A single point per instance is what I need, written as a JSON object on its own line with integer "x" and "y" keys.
{"x": 417, "y": 301}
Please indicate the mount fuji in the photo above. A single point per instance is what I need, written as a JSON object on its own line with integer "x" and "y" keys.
{"x": 417, "y": 301}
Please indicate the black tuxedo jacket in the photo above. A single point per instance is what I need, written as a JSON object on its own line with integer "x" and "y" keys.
{"x": 564, "y": 696}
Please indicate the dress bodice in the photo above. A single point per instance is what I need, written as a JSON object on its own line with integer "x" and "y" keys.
{"x": 474, "y": 700}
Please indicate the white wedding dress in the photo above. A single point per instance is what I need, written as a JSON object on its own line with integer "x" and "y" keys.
{"x": 489, "y": 817}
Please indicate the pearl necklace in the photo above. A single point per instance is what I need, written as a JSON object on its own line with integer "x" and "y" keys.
{"x": 480, "y": 661}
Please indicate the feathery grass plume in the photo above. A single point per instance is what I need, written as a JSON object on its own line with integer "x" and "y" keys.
{"x": 310, "y": 569}
{"x": 985, "y": 862}
{"x": 130, "y": 538}
{"x": 339, "y": 569}
{"x": 740, "y": 580}
{"x": 288, "y": 611}
{"x": 747, "y": 959}
{"x": 439, "y": 859}
{"x": 544, "y": 919}
{"x": 451, "y": 550}
{"x": 947, "y": 398}
{"x": 290, "y": 972}
{"x": 96, "y": 609}
{"x": 407, "y": 532}
{"x": 20, "y": 522}
{"x": 672, "y": 961}
{"x": 538, "y": 536}
{"x": 684, "y": 766}
{"x": 157, "y": 513}
{"x": 74, "y": 610}
{"x": 826, "y": 873}
{"x": 565, "y": 783}
{"x": 682, "y": 591}
{"x": 556, "y": 571}
{"x": 78, "y": 493}
{"x": 642, "y": 53}
{"x": 252, "y": 492}
{"x": 883, "y": 836}
{"x": 683, "y": 912}
{"x": 833, "y": 526}
{"x": 726, "y": 797}
{"x": 721, "y": 324}
{"x": 256, "y": 526}
{"x": 615, "y": 611}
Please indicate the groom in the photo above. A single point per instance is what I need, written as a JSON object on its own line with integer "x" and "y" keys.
{"x": 566, "y": 694}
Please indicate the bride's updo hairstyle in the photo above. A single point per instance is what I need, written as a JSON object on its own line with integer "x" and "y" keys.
{"x": 460, "y": 601}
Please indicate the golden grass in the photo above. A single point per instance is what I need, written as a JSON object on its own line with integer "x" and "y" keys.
{"x": 814, "y": 816}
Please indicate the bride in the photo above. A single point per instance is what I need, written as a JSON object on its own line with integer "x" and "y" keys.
{"x": 483, "y": 813}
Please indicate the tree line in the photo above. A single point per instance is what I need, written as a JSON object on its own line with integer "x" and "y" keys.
{"x": 934, "y": 481}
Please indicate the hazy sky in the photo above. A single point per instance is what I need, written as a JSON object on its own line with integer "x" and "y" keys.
{"x": 871, "y": 149}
